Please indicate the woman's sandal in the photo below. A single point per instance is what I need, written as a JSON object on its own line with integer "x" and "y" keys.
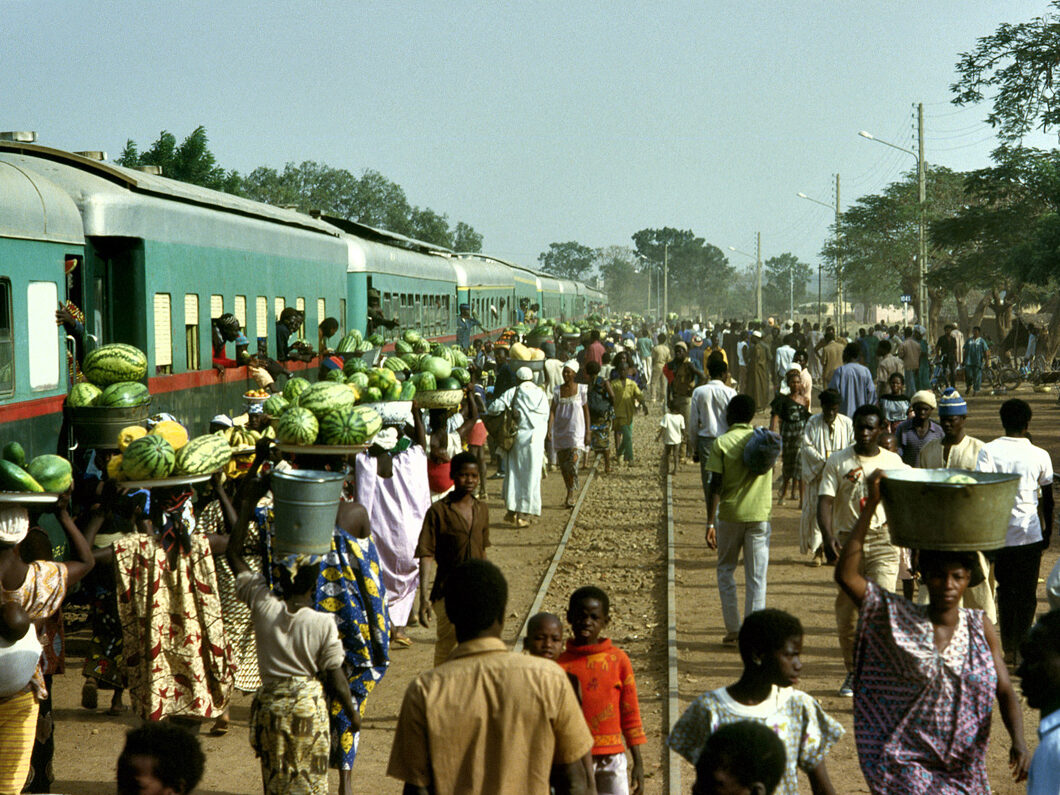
{"x": 401, "y": 642}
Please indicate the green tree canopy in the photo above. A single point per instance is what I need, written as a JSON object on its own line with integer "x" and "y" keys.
{"x": 190, "y": 161}
{"x": 569, "y": 260}
{"x": 784, "y": 276}
{"x": 698, "y": 272}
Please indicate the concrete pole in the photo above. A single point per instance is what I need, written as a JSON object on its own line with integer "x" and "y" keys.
{"x": 838, "y": 266}
{"x": 758, "y": 277}
{"x": 921, "y": 174}
{"x": 666, "y": 279}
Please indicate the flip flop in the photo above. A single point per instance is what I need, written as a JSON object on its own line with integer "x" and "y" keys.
{"x": 401, "y": 642}
{"x": 220, "y": 728}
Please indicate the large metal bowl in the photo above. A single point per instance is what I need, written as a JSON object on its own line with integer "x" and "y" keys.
{"x": 926, "y": 512}
{"x": 393, "y": 412}
{"x": 440, "y": 398}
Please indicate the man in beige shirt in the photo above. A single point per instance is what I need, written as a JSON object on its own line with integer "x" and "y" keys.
{"x": 958, "y": 450}
{"x": 487, "y": 720}
{"x": 830, "y": 350}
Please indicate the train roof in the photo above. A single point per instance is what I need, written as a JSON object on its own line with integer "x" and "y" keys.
{"x": 35, "y": 208}
{"x": 121, "y": 202}
{"x": 481, "y": 271}
{"x": 372, "y": 256}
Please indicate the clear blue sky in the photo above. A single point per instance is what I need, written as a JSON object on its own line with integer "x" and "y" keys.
{"x": 534, "y": 122}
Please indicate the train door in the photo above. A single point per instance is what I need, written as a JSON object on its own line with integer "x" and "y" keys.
{"x": 120, "y": 302}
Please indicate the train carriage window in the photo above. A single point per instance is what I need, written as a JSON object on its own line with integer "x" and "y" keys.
{"x": 241, "y": 311}
{"x": 191, "y": 331}
{"x": 278, "y": 305}
{"x": 217, "y": 306}
{"x": 41, "y": 300}
{"x": 7, "y": 341}
{"x": 322, "y": 310}
{"x": 342, "y": 316}
{"x": 163, "y": 335}
{"x": 299, "y": 304}
{"x": 261, "y": 317}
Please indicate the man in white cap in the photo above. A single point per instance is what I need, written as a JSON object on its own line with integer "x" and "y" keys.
{"x": 522, "y": 473}
{"x": 919, "y": 429}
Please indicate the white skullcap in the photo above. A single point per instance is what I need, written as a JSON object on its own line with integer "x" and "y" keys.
{"x": 14, "y": 524}
{"x": 524, "y": 374}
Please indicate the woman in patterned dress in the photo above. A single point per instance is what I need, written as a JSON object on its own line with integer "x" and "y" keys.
{"x": 926, "y": 677}
{"x": 789, "y": 415}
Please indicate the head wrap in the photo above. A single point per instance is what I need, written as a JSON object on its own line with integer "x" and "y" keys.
{"x": 756, "y": 333}
{"x": 924, "y": 396}
{"x": 572, "y": 365}
{"x": 223, "y": 420}
{"x": 333, "y": 363}
{"x": 524, "y": 374}
{"x": 14, "y": 524}
{"x": 242, "y": 340}
{"x": 630, "y": 344}
{"x": 952, "y": 404}
{"x": 386, "y": 438}
{"x": 681, "y": 344}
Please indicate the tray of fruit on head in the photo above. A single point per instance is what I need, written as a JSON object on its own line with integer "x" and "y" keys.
{"x": 112, "y": 396}
{"x": 40, "y": 480}
{"x": 525, "y": 356}
{"x": 256, "y": 396}
{"x": 166, "y": 456}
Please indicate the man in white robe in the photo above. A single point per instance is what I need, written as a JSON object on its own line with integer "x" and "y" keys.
{"x": 824, "y": 434}
{"x": 522, "y": 476}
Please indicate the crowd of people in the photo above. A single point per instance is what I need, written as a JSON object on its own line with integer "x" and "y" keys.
{"x": 191, "y": 599}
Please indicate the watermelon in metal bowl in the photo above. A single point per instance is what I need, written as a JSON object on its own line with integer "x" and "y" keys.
{"x": 440, "y": 398}
{"x": 924, "y": 511}
{"x": 393, "y": 412}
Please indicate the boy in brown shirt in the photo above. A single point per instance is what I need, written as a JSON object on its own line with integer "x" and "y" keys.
{"x": 455, "y": 528}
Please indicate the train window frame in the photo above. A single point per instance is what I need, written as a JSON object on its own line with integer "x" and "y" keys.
{"x": 42, "y": 336}
{"x": 7, "y": 335}
{"x": 239, "y": 309}
{"x": 162, "y": 324}
{"x": 342, "y": 316}
{"x": 299, "y": 304}
{"x": 278, "y": 305}
{"x": 192, "y": 350}
{"x": 322, "y": 310}
{"x": 217, "y": 306}
{"x": 261, "y": 317}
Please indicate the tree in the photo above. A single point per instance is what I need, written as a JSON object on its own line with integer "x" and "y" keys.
{"x": 782, "y": 273}
{"x": 626, "y": 285}
{"x": 698, "y": 272}
{"x": 305, "y": 187}
{"x": 1017, "y": 63}
{"x": 570, "y": 260}
{"x": 465, "y": 238}
{"x": 190, "y": 161}
{"x": 430, "y": 227}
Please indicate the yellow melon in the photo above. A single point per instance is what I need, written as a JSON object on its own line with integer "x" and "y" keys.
{"x": 114, "y": 467}
{"x": 130, "y": 434}
{"x": 172, "y": 432}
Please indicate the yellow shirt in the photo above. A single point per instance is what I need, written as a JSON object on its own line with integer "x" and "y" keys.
{"x": 627, "y": 395}
{"x": 488, "y": 721}
{"x": 963, "y": 455}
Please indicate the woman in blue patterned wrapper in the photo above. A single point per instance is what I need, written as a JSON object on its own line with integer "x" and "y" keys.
{"x": 351, "y": 588}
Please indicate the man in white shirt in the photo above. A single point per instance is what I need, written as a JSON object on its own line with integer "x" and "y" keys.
{"x": 843, "y": 487}
{"x": 1030, "y": 526}
{"x": 782, "y": 361}
{"x": 706, "y": 416}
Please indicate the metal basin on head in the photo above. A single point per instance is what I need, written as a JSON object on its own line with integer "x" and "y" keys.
{"x": 926, "y": 512}
{"x": 306, "y": 503}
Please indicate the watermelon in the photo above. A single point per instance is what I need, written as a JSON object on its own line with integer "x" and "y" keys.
{"x": 401, "y": 347}
{"x": 373, "y": 394}
{"x": 52, "y": 472}
{"x": 359, "y": 380}
{"x": 375, "y": 341}
{"x": 457, "y": 357}
{"x": 83, "y": 394}
{"x": 396, "y": 364}
{"x": 372, "y": 420}
{"x": 448, "y": 383}
{"x": 412, "y": 360}
{"x": 124, "y": 394}
{"x": 275, "y": 405}
{"x": 426, "y": 382}
{"x": 344, "y": 426}
{"x": 393, "y": 393}
{"x": 326, "y": 396}
{"x": 293, "y": 388}
{"x": 355, "y": 364}
{"x": 421, "y": 347}
{"x": 408, "y": 391}
{"x": 14, "y": 453}
{"x": 348, "y": 343}
{"x": 337, "y": 376}
{"x": 111, "y": 364}
{"x": 148, "y": 458}
{"x": 461, "y": 375}
{"x": 411, "y": 337}
{"x": 203, "y": 455}
{"x": 15, "y": 478}
{"x": 297, "y": 426}
{"x": 437, "y": 366}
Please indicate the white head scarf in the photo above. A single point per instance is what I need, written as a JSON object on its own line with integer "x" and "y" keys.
{"x": 524, "y": 374}
{"x": 572, "y": 365}
{"x": 14, "y": 524}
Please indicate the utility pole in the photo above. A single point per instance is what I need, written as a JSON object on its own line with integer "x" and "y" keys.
{"x": 838, "y": 266}
{"x": 666, "y": 279}
{"x": 921, "y": 178}
{"x": 758, "y": 277}
{"x": 791, "y": 291}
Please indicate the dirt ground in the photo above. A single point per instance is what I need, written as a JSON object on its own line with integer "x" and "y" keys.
{"x": 618, "y": 543}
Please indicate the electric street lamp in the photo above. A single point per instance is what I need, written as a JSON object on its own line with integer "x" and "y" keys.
{"x": 921, "y": 174}
{"x": 838, "y": 274}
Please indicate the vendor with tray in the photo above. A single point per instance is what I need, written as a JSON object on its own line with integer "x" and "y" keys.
{"x": 926, "y": 675}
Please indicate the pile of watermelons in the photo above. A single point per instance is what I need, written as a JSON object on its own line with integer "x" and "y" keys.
{"x": 166, "y": 451}
{"x": 113, "y": 378}
{"x": 428, "y": 366}
{"x": 327, "y": 412}
{"x": 45, "y": 473}
{"x": 354, "y": 342}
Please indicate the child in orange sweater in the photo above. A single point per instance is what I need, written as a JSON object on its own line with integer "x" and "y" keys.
{"x": 609, "y": 693}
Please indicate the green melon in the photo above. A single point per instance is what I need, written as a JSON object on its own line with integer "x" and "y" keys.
{"x": 372, "y": 421}
{"x": 14, "y": 453}
{"x": 336, "y": 376}
{"x": 324, "y": 397}
{"x": 111, "y": 364}
{"x": 203, "y": 455}
{"x": 294, "y": 387}
{"x": 359, "y": 380}
{"x": 344, "y": 426}
{"x": 355, "y": 364}
{"x": 275, "y": 405}
{"x": 148, "y": 458}
{"x": 83, "y": 394}
{"x": 298, "y": 426}
{"x": 124, "y": 394}
{"x": 15, "y": 478}
{"x": 53, "y": 472}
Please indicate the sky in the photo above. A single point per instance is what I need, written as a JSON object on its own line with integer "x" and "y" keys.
{"x": 534, "y": 122}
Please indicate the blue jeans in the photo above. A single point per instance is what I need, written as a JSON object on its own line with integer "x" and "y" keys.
{"x": 973, "y": 377}
{"x": 753, "y": 539}
{"x": 703, "y": 445}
